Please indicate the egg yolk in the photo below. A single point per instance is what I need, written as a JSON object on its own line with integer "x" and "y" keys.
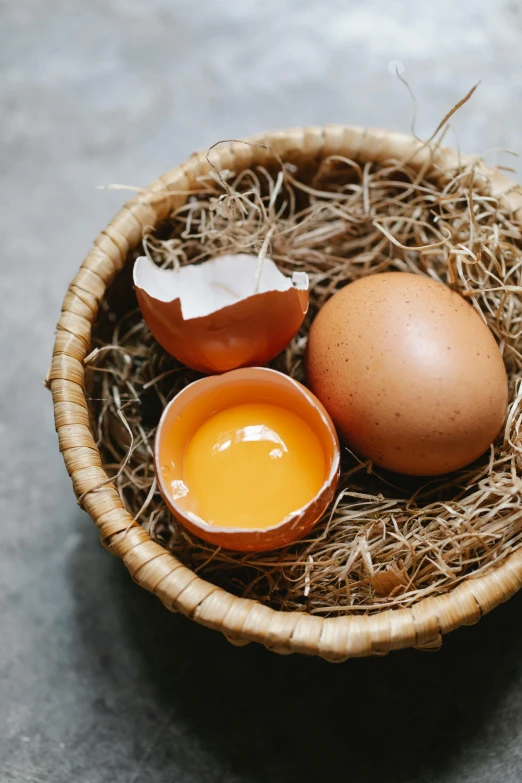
{"x": 251, "y": 466}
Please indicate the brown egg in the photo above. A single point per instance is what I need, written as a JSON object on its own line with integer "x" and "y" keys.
{"x": 409, "y": 372}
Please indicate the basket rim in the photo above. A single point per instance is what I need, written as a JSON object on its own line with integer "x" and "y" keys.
{"x": 244, "y": 620}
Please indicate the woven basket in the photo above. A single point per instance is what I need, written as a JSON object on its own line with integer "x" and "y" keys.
{"x": 151, "y": 566}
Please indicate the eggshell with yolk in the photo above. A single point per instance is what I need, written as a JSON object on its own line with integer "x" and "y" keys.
{"x": 196, "y": 403}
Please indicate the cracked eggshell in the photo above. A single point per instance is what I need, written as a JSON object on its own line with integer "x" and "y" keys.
{"x": 209, "y": 317}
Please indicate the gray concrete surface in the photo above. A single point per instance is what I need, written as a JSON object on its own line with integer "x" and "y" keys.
{"x": 98, "y": 683}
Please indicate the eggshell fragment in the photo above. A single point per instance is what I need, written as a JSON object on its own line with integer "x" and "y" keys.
{"x": 193, "y": 406}
{"x": 210, "y": 317}
{"x": 409, "y": 372}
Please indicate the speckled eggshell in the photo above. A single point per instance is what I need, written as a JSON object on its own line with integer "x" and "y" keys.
{"x": 409, "y": 372}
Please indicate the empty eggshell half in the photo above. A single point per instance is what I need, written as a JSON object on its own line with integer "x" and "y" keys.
{"x": 213, "y": 317}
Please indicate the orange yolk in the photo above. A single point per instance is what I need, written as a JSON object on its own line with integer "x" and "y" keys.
{"x": 251, "y": 466}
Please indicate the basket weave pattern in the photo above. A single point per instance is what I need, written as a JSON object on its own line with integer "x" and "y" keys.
{"x": 180, "y": 589}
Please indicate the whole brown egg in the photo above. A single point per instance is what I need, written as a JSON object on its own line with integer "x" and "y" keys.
{"x": 409, "y": 372}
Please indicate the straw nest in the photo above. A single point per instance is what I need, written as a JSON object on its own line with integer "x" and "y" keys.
{"x": 388, "y": 540}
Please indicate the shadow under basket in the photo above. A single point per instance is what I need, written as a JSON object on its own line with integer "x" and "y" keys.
{"x": 151, "y": 566}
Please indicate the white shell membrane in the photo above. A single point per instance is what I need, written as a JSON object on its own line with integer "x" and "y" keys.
{"x": 205, "y": 288}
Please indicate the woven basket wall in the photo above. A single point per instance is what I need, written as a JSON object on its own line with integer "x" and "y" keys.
{"x": 152, "y": 567}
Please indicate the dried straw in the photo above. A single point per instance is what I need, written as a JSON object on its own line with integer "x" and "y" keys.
{"x": 388, "y": 540}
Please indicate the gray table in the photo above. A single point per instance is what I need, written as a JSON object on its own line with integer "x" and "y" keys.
{"x": 98, "y": 683}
